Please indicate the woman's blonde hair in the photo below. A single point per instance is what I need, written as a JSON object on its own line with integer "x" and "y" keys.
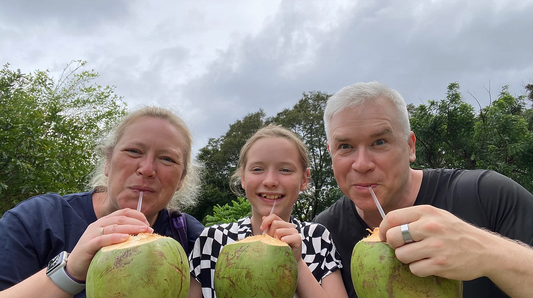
{"x": 268, "y": 131}
{"x": 186, "y": 196}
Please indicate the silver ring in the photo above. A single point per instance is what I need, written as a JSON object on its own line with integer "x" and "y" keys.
{"x": 405, "y": 233}
{"x": 101, "y": 231}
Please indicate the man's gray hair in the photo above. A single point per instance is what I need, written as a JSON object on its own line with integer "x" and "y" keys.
{"x": 361, "y": 93}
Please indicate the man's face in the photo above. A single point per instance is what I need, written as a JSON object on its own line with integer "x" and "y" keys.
{"x": 369, "y": 149}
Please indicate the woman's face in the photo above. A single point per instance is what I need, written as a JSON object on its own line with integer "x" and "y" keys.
{"x": 149, "y": 158}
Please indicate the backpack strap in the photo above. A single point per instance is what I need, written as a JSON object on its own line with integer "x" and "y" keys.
{"x": 178, "y": 226}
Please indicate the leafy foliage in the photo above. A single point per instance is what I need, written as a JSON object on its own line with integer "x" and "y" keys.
{"x": 48, "y": 130}
{"x": 225, "y": 214}
{"x": 500, "y": 137}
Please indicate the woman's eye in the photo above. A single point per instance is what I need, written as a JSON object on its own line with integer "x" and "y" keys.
{"x": 168, "y": 159}
{"x": 286, "y": 170}
{"x": 132, "y": 150}
{"x": 256, "y": 169}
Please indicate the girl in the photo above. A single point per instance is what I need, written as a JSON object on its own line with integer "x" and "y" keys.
{"x": 273, "y": 169}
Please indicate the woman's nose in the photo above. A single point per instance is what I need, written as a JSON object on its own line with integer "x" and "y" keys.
{"x": 146, "y": 168}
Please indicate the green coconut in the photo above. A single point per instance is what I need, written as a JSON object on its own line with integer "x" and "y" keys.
{"x": 376, "y": 272}
{"x": 146, "y": 265}
{"x": 257, "y": 266}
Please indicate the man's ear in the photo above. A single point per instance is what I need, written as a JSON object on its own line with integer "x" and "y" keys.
{"x": 411, "y": 142}
{"x": 327, "y": 145}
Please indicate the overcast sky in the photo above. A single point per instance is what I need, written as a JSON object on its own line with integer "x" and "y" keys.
{"x": 217, "y": 61}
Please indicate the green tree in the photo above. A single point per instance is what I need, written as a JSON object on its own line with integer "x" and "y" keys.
{"x": 225, "y": 214}
{"x": 445, "y": 131}
{"x": 48, "y": 130}
{"x": 451, "y": 135}
{"x": 505, "y": 138}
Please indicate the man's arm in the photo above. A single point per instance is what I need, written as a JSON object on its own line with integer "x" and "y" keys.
{"x": 447, "y": 246}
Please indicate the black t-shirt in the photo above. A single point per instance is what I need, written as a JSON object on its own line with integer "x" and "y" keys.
{"x": 483, "y": 198}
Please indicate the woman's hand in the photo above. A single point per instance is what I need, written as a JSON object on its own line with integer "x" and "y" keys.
{"x": 111, "y": 229}
{"x": 284, "y": 231}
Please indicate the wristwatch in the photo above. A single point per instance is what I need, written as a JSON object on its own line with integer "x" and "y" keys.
{"x": 56, "y": 271}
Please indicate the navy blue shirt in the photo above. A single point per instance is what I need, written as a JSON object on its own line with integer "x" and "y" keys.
{"x": 39, "y": 228}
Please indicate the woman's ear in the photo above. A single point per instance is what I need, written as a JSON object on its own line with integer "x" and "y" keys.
{"x": 180, "y": 183}
{"x": 106, "y": 169}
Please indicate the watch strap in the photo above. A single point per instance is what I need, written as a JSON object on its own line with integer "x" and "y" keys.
{"x": 67, "y": 283}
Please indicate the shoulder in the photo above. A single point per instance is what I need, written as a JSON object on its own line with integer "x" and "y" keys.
{"x": 482, "y": 182}
{"x": 310, "y": 230}
{"x": 50, "y": 204}
{"x": 194, "y": 226}
{"x": 228, "y": 231}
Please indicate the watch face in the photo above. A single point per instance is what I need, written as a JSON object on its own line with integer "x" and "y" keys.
{"x": 55, "y": 262}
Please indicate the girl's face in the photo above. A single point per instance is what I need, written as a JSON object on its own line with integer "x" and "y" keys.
{"x": 273, "y": 172}
{"x": 148, "y": 158}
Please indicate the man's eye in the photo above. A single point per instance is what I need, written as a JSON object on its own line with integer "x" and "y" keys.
{"x": 344, "y": 146}
{"x": 380, "y": 142}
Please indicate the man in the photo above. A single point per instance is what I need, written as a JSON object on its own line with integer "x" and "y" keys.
{"x": 460, "y": 221}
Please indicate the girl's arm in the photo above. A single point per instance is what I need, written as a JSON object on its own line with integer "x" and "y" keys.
{"x": 308, "y": 286}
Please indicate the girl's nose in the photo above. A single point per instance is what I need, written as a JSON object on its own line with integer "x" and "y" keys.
{"x": 271, "y": 179}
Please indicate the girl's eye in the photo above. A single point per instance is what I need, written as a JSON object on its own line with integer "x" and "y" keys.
{"x": 256, "y": 169}
{"x": 286, "y": 170}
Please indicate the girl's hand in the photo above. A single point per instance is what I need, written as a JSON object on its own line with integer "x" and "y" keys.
{"x": 284, "y": 231}
{"x": 111, "y": 229}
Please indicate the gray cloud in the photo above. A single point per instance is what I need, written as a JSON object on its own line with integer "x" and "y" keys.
{"x": 217, "y": 62}
{"x": 66, "y": 14}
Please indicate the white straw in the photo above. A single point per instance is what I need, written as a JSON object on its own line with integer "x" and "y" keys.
{"x": 271, "y": 211}
{"x": 140, "y": 203}
{"x": 377, "y": 202}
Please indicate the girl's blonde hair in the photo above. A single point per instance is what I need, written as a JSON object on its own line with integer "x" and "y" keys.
{"x": 186, "y": 196}
{"x": 268, "y": 131}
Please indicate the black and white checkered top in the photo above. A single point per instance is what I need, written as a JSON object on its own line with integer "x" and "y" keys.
{"x": 318, "y": 250}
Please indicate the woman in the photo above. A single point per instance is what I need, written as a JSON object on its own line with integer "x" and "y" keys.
{"x": 149, "y": 152}
{"x": 273, "y": 168}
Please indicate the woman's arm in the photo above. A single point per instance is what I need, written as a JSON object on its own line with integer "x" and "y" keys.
{"x": 116, "y": 228}
{"x": 37, "y": 285}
